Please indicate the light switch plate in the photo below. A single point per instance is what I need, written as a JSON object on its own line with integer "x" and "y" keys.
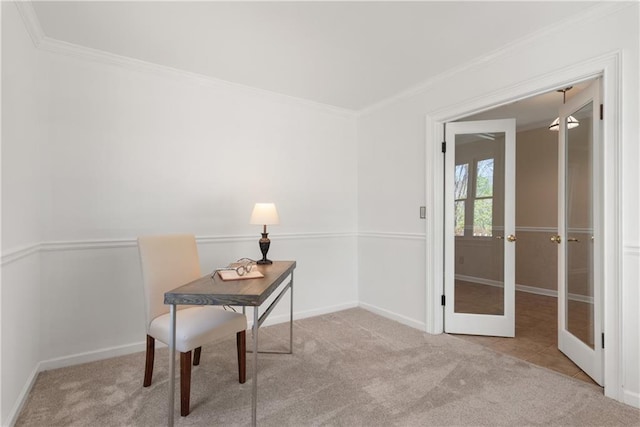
{"x": 423, "y": 212}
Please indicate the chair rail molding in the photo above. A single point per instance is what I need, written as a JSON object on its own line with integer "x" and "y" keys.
{"x": 631, "y": 249}
{"x": 391, "y": 235}
{"x": 15, "y": 254}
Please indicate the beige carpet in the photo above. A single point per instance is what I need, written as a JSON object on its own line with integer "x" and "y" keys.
{"x": 351, "y": 368}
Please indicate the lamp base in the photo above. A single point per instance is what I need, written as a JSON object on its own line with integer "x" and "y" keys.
{"x": 264, "y": 248}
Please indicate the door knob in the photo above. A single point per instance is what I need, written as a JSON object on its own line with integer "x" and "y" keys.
{"x": 511, "y": 238}
{"x": 556, "y": 239}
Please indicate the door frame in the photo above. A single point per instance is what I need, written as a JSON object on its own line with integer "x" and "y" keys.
{"x": 608, "y": 67}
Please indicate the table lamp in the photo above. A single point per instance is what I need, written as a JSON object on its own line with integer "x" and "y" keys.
{"x": 264, "y": 214}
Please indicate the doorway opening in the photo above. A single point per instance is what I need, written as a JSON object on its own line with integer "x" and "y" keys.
{"x": 536, "y": 220}
{"x": 608, "y": 66}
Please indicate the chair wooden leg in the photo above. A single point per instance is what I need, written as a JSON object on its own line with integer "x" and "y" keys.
{"x": 196, "y": 356}
{"x": 185, "y": 382}
{"x": 148, "y": 366}
{"x": 241, "y": 343}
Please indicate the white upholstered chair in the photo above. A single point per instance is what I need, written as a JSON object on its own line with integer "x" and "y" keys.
{"x": 168, "y": 262}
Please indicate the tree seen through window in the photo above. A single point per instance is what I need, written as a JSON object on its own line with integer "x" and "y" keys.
{"x": 483, "y": 203}
{"x": 481, "y": 200}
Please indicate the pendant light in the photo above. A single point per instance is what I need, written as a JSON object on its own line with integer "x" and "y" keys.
{"x": 572, "y": 122}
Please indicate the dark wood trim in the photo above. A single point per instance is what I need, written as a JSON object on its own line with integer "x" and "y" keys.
{"x": 148, "y": 365}
{"x": 196, "y": 356}
{"x": 185, "y": 382}
{"x": 241, "y": 343}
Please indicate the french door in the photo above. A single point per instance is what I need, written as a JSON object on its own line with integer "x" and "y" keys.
{"x": 480, "y": 227}
{"x": 579, "y": 237}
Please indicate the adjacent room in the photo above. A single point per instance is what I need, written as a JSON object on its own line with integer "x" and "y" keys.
{"x": 479, "y": 261}
{"x": 131, "y": 119}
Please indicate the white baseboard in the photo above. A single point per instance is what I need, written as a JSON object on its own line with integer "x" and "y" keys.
{"x": 538, "y": 291}
{"x": 91, "y": 356}
{"x": 524, "y": 288}
{"x": 282, "y": 318}
{"x": 61, "y": 362}
{"x": 22, "y": 398}
{"x": 394, "y": 316}
{"x": 631, "y": 398}
{"x": 106, "y": 353}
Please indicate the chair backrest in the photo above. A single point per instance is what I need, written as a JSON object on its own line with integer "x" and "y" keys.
{"x": 167, "y": 262}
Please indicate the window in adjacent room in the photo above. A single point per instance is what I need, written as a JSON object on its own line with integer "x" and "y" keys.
{"x": 475, "y": 208}
{"x": 483, "y": 202}
{"x": 461, "y": 184}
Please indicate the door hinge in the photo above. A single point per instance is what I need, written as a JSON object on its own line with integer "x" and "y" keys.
{"x": 601, "y": 111}
{"x": 444, "y": 146}
{"x": 443, "y": 300}
{"x": 603, "y": 340}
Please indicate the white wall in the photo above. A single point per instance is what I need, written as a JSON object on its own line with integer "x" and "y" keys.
{"x": 23, "y": 133}
{"x": 392, "y": 169}
{"x": 22, "y": 138}
{"x": 133, "y": 152}
{"x": 391, "y": 252}
{"x": 117, "y": 151}
{"x": 95, "y": 154}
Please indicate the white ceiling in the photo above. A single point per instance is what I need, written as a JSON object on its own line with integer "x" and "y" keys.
{"x": 346, "y": 54}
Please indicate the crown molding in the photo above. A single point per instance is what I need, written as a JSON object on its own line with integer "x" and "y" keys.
{"x": 60, "y": 47}
{"x": 48, "y": 44}
{"x": 31, "y": 21}
{"x": 599, "y": 11}
{"x": 572, "y": 74}
{"x": 41, "y": 41}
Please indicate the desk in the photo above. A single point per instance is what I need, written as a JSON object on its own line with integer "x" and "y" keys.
{"x": 248, "y": 292}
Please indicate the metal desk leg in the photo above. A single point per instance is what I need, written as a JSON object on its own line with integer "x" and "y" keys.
{"x": 291, "y": 318}
{"x": 254, "y": 390}
{"x": 172, "y": 359}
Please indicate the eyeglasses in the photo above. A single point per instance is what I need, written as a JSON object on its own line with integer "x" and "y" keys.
{"x": 241, "y": 267}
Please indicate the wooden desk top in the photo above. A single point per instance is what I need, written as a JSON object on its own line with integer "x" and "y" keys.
{"x": 247, "y": 292}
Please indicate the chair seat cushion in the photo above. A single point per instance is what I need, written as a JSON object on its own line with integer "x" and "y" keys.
{"x": 197, "y": 326}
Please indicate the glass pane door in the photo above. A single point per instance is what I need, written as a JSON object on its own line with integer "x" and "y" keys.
{"x": 580, "y": 240}
{"x": 579, "y": 228}
{"x": 480, "y": 228}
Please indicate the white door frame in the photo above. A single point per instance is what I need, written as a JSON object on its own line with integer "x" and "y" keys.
{"x": 608, "y": 66}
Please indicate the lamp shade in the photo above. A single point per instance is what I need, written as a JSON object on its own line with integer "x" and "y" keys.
{"x": 264, "y": 214}
{"x": 572, "y": 122}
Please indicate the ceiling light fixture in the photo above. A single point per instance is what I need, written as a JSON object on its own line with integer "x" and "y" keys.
{"x": 572, "y": 122}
